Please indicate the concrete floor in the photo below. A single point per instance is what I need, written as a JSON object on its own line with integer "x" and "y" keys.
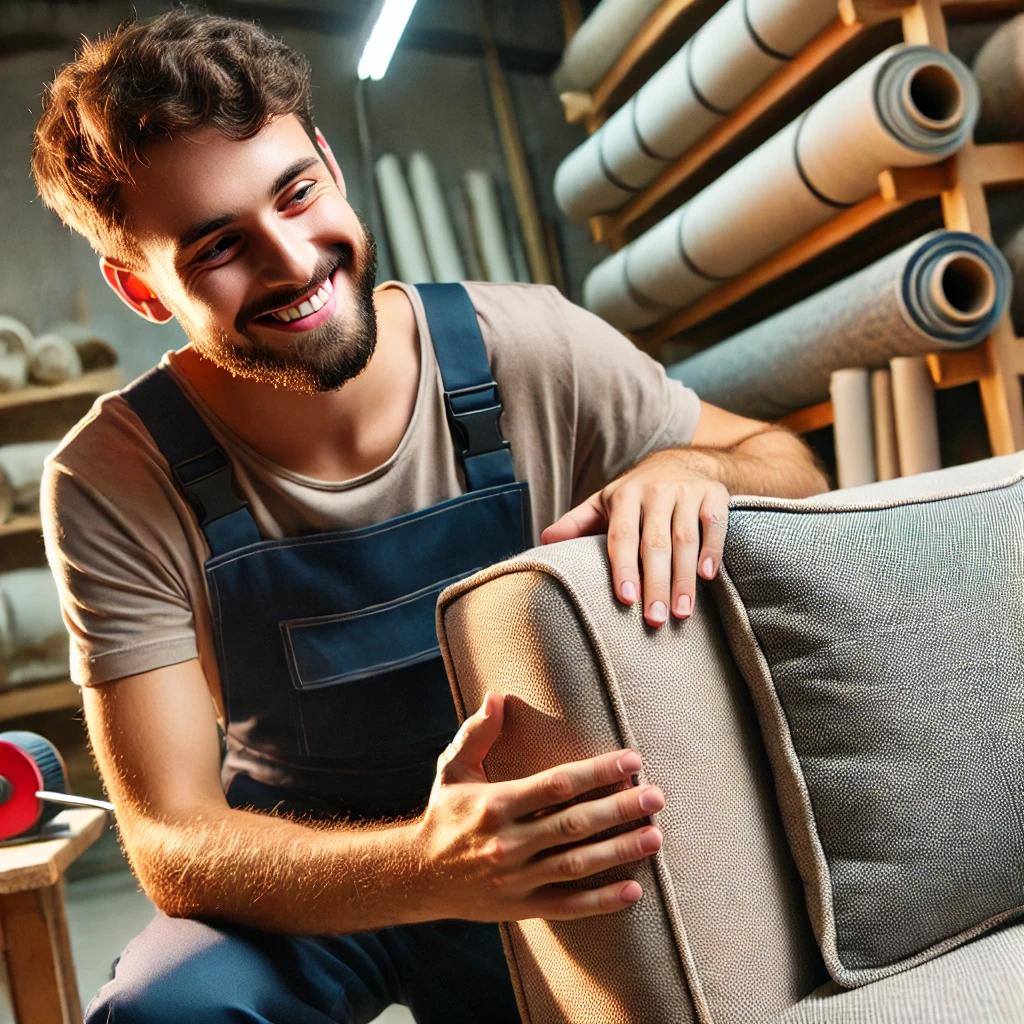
{"x": 104, "y": 912}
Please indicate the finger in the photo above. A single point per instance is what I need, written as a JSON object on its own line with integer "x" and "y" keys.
{"x": 588, "y": 818}
{"x": 584, "y": 520}
{"x": 714, "y": 522}
{"x": 555, "y": 904}
{"x": 462, "y": 759}
{"x": 592, "y": 858}
{"x": 656, "y": 554}
{"x": 685, "y": 541}
{"x": 624, "y": 544}
{"x": 551, "y": 789}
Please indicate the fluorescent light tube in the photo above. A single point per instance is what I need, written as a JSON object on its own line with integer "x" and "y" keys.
{"x": 384, "y": 38}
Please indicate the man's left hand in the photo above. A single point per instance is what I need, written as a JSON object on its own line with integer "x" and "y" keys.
{"x": 662, "y": 516}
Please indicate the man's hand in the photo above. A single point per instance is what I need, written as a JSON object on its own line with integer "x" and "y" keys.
{"x": 664, "y": 516}
{"x": 502, "y": 851}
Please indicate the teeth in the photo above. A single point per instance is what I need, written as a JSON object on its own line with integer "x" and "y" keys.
{"x": 305, "y": 308}
{"x": 315, "y": 302}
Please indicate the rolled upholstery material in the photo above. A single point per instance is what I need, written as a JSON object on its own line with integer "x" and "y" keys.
{"x": 599, "y": 42}
{"x": 15, "y": 337}
{"x": 33, "y": 639}
{"x": 732, "y": 54}
{"x": 488, "y": 226}
{"x": 999, "y": 69}
{"x": 911, "y": 105}
{"x": 944, "y": 290}
{"x": 917, "y": 422}
{"x": 887, "y": 457}
{"x": 439, "y": 235}
{"x": 54, "y": 359}
{"x": 407, "y": 246}
{"x": 21, "y": 469}
{"x": 720, "y": 931}
{"x": 1013, "y": 250}
{"x": 854, "y": 431}
{"x": 881, "y": 644}
{"x": 13, "y": 370}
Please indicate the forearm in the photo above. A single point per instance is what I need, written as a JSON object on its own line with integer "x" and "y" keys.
{"x": 280, "y": 875}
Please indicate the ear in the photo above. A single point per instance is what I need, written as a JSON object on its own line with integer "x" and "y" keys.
{"x": 332, "y": 164}
{"x": 134, "y": 292}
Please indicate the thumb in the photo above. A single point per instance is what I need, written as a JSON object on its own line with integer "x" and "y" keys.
{"x": 462, "y": 760}
{"x": 582, "y": 521}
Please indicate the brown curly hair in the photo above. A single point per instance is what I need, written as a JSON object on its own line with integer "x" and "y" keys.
{"x": 149, "y": 81}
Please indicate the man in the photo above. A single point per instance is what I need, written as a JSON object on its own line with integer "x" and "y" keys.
{"x": 267, "y": 519}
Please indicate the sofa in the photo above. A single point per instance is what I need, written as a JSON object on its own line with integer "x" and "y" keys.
{"x": 839, "y": 733}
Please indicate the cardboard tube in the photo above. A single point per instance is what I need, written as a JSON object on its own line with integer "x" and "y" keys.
{"x": 442, "y": 248}
{"x": 407, "y": 246}
{"x": 854, "y": 433}
{"x": 917, "y": 423}
{"x": 887, "y": 458}
{"x": 489, "y": 227}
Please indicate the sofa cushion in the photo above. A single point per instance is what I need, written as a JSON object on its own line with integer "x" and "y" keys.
{"x": 882, "y": 642}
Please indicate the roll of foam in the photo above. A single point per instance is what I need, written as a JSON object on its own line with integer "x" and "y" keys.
{"x": 407, "y": 245}
{"x": 599, "y": 42}
{"x": 15, "y": 337}
{"x": 442, "y": 247}
{"x": 887, "y": 457}
{"x": 33, "y": 639}
{"x": 854, "y": 434}
{"x": 732, "y": 54}
{"x": 999, "y": 69}
{"x": 917, "y": 422}
{"x": 21, "y": 469}
{"x": 910, "y": 106}
{"x": 491, "y": 239}
{"x": 946, "y": 290}
{"x": 54, "y": 359}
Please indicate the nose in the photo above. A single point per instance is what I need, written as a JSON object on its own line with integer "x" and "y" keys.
{"x": 285, "y": 256}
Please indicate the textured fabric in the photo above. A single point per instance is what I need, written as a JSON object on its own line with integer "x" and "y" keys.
{"x": 128, "y": 555}
{"x": 720, "y": 934}
{"x": 882, "y": 645}
{"x": 980, "y": 983}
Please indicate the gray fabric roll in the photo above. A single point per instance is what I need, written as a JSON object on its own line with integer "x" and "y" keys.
{"x": 944, "y": 290}
{"x": 599, "y": 42}
{"x": 999, "y": 69}
{"x": 917, "y": 421}
{"x": 733, "y": 53}
{"x": 21, "y": 469}
{"x": 33, "y": 639}
{"x": 54, "y": 359}
{"x": 439, "y": 235}
{"x": 887, "y": 459}
{"x": 1013, "y": 250}
{"x": 15, "y": 337}
{"x": 853, "y": 428}
{"x": 492, "y": 241}
{"x": 407, "y": 245}
{"x": 909, "y": 106}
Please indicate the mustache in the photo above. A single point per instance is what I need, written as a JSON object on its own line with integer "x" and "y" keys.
{"x": 343, "y": 259}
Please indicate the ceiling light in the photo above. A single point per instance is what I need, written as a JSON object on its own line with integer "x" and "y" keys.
{"x": 384, "y": 38}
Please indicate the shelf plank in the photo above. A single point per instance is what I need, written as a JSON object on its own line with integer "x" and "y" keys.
{"x": 814, "y": 417}
{"x": 21, "y": 524}
{"x": 35, "y": 698}
{"x": 98, "y": 382}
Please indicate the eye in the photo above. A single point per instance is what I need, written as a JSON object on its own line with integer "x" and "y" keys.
{"x": 302, "y": 194}
{"x": 218, "y": 249}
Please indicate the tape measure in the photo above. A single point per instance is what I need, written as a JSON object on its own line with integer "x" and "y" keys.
{"x": 33, "y": 785}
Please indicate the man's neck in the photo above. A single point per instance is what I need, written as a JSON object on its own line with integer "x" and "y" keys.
{"x": 336, "y": 435}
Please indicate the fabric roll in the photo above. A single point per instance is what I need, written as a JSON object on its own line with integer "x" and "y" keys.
{"x": 33, "y": 640}
{"x": 999, "y": 69}
{"x": 1013, "y": 250}
{"x": 54, "y": 359}
{"x": 15, "y": 337}
{"x": 439, "y": 235}
{"x": 909, "y": 106}
{"x": 917, "y": 422}
{"x": 407, "y": 245}
{"x": 944, "y": 290}
{"x": 854, "y": 433}
{"x": 21, "y": 469}
{"x": 485, "y": 209}
{"x": 599, "y": 42}
{"x": 732, "y": 54}
{"x": 887, "y": 458}
{"x": 13, "y": 371}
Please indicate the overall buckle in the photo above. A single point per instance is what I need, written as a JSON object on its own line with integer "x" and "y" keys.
{"x": 209, "y": 486}
{"x": 476, "y": 430}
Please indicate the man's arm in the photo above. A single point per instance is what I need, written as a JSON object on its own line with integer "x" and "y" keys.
{"x": 481, "y": 851}
{"x": 669, "y": 513}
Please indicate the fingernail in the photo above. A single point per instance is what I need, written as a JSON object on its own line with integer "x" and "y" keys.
{"x": 630, "y": 892}
{"x": 683, "y": 606}
{"x": 651, "y": 800}
{"x": 650, "y": 840}
{"x": 658, "y": 612}
{"x": 708, "y": 568}
{"x": 628, "y": 591}
{"x": 629, "y": 762}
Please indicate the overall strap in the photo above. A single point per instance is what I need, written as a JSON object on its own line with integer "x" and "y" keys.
{"x": 471, "y": 398}
{"x": 199, "y": 465}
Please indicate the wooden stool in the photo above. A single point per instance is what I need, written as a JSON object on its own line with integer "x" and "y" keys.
{"x": 33, "y": 927}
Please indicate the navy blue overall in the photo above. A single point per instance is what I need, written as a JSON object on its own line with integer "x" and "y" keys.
{"x": 334, "y": 686}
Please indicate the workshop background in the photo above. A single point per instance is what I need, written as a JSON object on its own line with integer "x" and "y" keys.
{"x": 491, "y": 151}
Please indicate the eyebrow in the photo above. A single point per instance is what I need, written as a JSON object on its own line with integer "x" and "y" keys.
{"x": 197, "y": 231}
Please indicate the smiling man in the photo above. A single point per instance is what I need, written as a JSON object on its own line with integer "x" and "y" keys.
{"x": 253, "y": 535}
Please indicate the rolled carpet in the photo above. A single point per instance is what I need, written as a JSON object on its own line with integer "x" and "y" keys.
{"x": 21, "y": 469}
{"x": 853, "y": 430}
{"x": 407, "y": 245}
{"x": 999, "y": 69}
{"x": 439, "y": 235}
{"x": 944, "y": 290}
{"x": 733, "y": 53}
{"x": 909, "y": 106}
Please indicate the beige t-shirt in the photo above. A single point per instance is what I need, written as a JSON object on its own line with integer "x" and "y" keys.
{"x": 582, "y": 404}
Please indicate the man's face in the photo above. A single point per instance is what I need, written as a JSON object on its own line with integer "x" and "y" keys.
{"x": 243, "y": 240}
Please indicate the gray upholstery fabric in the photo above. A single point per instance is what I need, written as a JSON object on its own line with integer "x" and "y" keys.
{"x": 980, "y": 983}
{"x": 721, "y": 934}
{"x": 883, "y": 647}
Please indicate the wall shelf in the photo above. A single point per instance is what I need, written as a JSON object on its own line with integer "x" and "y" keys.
{"x": 21, "y": 524}
{"x": 97, "y": 382}
{"x": 36, "y": 698}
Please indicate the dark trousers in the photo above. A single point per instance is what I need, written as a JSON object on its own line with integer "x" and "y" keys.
{"x": 190, "y": 972}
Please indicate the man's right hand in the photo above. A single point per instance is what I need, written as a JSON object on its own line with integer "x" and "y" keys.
{"x": 503, "y": 851}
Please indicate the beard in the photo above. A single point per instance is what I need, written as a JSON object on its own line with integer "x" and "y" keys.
{"x": 318, "y": 360}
